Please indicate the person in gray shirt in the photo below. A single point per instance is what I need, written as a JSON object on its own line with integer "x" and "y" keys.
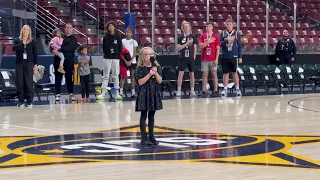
{"x": 84, "y": 72}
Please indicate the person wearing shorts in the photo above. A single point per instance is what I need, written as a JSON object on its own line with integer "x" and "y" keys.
{"x": 210, "y": 49}
{"x": 187, "y": 46}
{"x": 231, "y": 56}
{"x": 131, "y": 45}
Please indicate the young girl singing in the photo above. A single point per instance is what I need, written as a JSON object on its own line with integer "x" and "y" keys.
{"x": 55, "y": 44}
{"x": 148, "y": 76}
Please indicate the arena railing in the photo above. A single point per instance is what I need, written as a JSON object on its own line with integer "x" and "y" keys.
{"x": 48, "y": 21}
{"x": 291, "y": 7}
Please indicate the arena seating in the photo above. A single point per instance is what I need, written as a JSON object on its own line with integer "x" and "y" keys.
{"x": 309, "y": 8}
{"x": 256, "y": 78}
{"x": 252, "y": 20}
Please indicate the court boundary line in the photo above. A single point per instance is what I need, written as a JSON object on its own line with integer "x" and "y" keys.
{"x": 31, "y": 128}
{"x": 297, "y": 107}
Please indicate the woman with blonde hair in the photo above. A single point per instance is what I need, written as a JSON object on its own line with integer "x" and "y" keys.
{"x": 148, "y": 76}
{"x": 26, "y": 62}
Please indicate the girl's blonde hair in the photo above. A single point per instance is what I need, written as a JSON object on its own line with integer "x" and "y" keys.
{"x": 29, "y": 36}
{"x": 141, "y": 60}
{"x": 55, "y": 31}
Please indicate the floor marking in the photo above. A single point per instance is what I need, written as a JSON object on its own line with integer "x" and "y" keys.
{"x": 37, "y": 129}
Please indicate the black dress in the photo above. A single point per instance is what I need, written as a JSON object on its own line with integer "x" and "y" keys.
{"x": 149, "y": 94}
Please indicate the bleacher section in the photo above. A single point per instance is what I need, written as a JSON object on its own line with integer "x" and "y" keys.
{"x": 252, "y": 20}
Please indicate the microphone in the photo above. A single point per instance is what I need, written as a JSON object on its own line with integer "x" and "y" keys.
{"x": 152, "y": 60}
{"x": 153, "y": 64}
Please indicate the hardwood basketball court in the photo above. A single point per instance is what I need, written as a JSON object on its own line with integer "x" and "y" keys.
{"x": 262, "y": 137}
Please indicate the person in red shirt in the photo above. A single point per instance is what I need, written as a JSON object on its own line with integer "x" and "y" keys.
{"x": 124, "y": 57}
{"x": 210, "y": 50}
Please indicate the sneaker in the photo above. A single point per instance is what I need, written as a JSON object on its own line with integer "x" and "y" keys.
{"x": 193, "y": 94}
{"x": 20, "y": 105}
{"x": 205, "y": 94}
{"x": 118, "y": 97}
{"x": 100, "y": 97}
{"x": 61, "y": 70}
{"x": 133, "y": 96}
{"x": 238, "y": 93}
{"x": 72, "y": 98}
{"x": 215, "y": 93}
{"x": 178, "y": 94}
{"x": 29, "y": 105}
{"x": 224, "y": 93}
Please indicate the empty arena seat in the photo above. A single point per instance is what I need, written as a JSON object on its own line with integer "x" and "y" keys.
{"x": 252, "y": 18}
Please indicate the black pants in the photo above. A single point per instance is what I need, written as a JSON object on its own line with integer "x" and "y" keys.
{"x": 24, "y": 80}
{"x": 84, "y": 81}
{"x": 143, "y": 119}
{"x": 285, "y": 58}
{"x": 68, "y": 68}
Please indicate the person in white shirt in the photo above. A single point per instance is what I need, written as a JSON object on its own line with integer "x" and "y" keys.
{"x": 131, "y": 45}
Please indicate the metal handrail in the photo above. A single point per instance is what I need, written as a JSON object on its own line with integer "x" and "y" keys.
{"x": 313, "y": 18}
{"x": 291, "y": 8}
{"x": 84, "y": 9}
{"x": 284, "y": 4}
{"x": 91, "y": 6}
{"x": 92, "y": 16}
{"x": 121, "y": 32}
{"x": 44, "y": 22}
{"x": 120, "y": 22}
{"x": 37, "y": 5}
{"x": 45, "y": 30}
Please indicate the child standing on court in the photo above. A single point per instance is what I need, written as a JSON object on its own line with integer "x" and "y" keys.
{"x": 148, "y": 76}
{"x": 84, "y": 72}
{"x": 131, "y": 45}
{"x": 55, "y": 44}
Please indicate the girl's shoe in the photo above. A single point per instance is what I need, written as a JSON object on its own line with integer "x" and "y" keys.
{"x": 153, "y": 140}
{"x": 146, "y": 143}
{"x": 145, "y": 140}
{"x": 61, "y": 70}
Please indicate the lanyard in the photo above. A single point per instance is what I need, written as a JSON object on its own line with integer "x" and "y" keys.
{"x": 209, "y": 38}
{"x": 230, "y": 33}
{"x": 25, "y": 48}
{"x": 186, "y": 37}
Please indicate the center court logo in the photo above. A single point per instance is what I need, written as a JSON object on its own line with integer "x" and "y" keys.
{"x": 175, "y": 145}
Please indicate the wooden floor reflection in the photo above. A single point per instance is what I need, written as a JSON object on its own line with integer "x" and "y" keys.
{"x": 263, "y": 137}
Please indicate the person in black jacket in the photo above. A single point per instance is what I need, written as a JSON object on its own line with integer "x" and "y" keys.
{"x": 112, "y": 47}
{"x": 285, "y": 49}
{"x": 26, "y": 62}
{"x": 68, "y": 49}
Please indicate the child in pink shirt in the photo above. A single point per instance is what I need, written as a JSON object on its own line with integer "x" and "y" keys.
{"x": 55, "y": 44}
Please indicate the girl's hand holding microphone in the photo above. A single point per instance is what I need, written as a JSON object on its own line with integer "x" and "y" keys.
{"x": 152, "y": 72}
{"x": 154, "y": 69}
